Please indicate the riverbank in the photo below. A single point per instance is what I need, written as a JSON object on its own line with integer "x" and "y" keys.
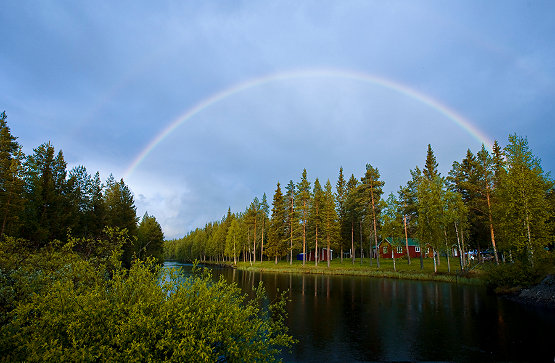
{"x": 542, "y": 294}
{"x": 386, "y": 270}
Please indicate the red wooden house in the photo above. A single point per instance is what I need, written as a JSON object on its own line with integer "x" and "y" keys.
{"x": 399, "y": 249}
{"x": 322, "y": 254}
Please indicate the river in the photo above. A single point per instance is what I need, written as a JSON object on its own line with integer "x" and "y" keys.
{"x": 352, "y": 318}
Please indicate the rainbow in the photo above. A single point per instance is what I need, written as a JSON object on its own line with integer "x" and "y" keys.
{"x": 310, "y": 73}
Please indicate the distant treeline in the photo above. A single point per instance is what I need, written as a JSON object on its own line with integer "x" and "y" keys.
{"x": 41, "y": 202}
{"x": 501, "y": 201}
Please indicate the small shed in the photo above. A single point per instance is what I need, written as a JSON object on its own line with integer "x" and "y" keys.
{"x": 322, "y": 254}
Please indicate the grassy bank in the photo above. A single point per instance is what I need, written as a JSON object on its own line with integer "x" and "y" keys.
{"x": 404, "y": 270}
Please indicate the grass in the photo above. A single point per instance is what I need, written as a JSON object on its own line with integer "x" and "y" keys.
{"x": 404, "y": 270}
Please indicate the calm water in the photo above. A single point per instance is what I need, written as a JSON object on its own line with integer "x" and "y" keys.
{"x": 345, "y": 318}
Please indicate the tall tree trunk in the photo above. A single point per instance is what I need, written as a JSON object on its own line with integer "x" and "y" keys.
{"x": 461, "y": 252}
{"x": 329, "y": 253}
{"x": 360, "y": 230}
{"x": 304, "y": 236}
{"x": 254, "y": 242}
{"x": 234, "y": 255}
{"x": 491, "y": 228}
{"x": 353, "y": 241}
{"x": 341, "y": 252}
{"x": 393, "y": 257}
{"x": 406, "y": 238}
{"x": 316, "y": 249}
{"x": 434, "y": 257}
{"x": 448, "y": 249}
{"x": 262, "y": 242}
{"x": 465, "y": 260}
{"x": 375, "y": 229}
{"x": 529, "y": 238}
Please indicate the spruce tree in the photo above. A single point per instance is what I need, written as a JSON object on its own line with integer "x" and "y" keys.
{"x": 11, "y": 179}
{"x": 46, "y": 213}
{"x": 150, "y": 239}
{"x": 277, "y": 237}
{"x": 291, "y": 217}
{"x": 119, "y": 206}
{"x": 430, "y": 169}
{"x": 341, "y": 197}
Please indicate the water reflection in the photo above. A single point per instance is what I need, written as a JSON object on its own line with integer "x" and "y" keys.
{"x": 344, "y": 318}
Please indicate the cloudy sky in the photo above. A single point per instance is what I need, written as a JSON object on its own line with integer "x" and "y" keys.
{"x": 258, "y": 90}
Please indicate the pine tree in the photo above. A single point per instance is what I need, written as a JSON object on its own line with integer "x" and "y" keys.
{"x": 315, "y": 217}
{"x": 264, "y": 209}
{"x": 371, "y": 194}
{"x": 330, "y": 219}
{"x": 303, "y": 207}
{"x": 352, "y": 213}
{"x": 341, "y": 198}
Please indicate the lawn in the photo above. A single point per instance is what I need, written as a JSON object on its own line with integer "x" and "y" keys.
{"x": 404, "y": 270}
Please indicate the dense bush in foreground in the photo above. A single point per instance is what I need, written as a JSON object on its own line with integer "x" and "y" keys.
{"x": 58, "y": 306}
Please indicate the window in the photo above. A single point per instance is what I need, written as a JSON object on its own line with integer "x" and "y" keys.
{"x": 385, "y": 249}
{"x": 416, "y": 249}
{"x": 399, "y": 249}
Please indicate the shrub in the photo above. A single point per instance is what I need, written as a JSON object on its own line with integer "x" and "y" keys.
{"x": 79, "y": 312}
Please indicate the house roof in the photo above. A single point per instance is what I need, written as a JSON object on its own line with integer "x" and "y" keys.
{"x": 401, "y": 241}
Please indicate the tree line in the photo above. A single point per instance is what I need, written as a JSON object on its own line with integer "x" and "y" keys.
{"x": 500, "y": 201}
{"x": 41, "y": 202}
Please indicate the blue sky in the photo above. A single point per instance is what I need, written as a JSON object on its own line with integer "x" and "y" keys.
{"x": 101, "y": 79}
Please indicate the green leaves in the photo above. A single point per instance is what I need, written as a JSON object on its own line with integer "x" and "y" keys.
{"x": 75, "y": 313}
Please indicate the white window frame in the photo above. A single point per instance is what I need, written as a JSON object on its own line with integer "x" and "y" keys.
{"x": 399, "y": 249}
{"x": 417, "y": 249}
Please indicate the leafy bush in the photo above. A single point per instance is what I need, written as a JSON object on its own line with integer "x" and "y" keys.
{"x": 517, "y": 275}
{"x": 74, "y": 310}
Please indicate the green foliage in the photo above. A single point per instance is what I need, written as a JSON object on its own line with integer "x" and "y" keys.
{"x": 58, "y": 306}
{"x": 514, "y": 276}
{"x": 150, "y": 239}
{"x": 46, "y": 211}
{"x": 523, "y": 208}
{"x": 277, "y": 239}
{"x": 121, "y": 213}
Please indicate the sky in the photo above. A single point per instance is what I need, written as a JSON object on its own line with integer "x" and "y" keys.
{"x": 201, "y": 106}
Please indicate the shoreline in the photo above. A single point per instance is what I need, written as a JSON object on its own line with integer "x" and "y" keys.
{"x": 368, "y": 271}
